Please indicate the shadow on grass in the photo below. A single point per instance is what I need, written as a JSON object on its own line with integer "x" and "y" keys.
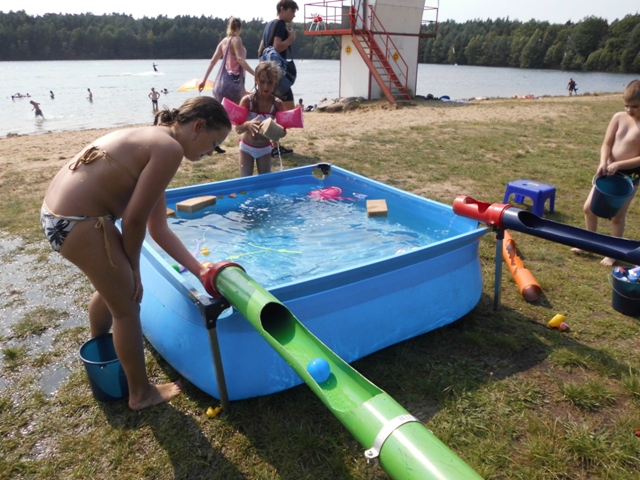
{"x": 189, "y": 450}
{"x": 292, "y": 431}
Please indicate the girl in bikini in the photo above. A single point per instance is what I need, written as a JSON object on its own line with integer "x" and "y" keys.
{"x": 123, "y": 175}
{"x": 262, "y": 104}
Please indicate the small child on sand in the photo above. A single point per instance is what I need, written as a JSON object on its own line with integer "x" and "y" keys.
{"x": 123, "y": 175}
{"x": 620, "y": 152}
{"x": 262, "y": 104}
{"x": 36, "y": 107}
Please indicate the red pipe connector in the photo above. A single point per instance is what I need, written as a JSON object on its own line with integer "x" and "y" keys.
{"x": 489, "y": 213}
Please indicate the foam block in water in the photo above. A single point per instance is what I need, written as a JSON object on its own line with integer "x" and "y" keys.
{"x": 377, "y": 208}
{"x": 196, "y": 203}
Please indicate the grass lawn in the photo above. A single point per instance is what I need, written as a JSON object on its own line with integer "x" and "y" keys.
{"x": 514, "y": 398}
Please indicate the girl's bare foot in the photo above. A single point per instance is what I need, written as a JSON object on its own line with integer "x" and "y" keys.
{"x": 156, "y": 394}
{"x": 608, "y": 261}
{"x": 577, "y": 250}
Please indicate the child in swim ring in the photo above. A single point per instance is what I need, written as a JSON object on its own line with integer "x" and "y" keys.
{"x": 262, "y": 104}
{"x": 123, "y": 175}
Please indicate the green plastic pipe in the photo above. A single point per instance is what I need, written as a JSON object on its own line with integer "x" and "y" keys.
{"x": 404, "y": 447}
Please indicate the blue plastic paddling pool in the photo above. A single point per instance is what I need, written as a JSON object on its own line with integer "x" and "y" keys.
{"x": 358, "y": 283}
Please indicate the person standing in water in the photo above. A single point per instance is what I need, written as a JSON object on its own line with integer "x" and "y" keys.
{"x": 154, "y": 67}
{"x": 154, "y": 96}
{"x": 52, "y": 95}
{"x": 90, "y": 97}
{"x": 36, "y": 107}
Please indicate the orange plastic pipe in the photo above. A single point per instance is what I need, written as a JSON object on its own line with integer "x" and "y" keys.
{"x": 528, "y": 286}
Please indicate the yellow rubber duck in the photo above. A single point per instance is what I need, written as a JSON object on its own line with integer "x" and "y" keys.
{"x": 213, "y": 412}
{"x": 205, "y": 250}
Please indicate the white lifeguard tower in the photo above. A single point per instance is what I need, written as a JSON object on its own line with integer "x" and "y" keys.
{"x": 378, "y": 40}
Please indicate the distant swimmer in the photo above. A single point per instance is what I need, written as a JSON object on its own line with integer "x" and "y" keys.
{"x": 52, "y": 95}
{"x": 154, "y": 67}
{"x": 165, "y": 91}
{"x": 154, "y": 96}
{"x": 36, "y": 107}
{"x": 90, "y": 97}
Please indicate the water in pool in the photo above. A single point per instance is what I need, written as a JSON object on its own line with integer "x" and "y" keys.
{"x": 288, "y": 236}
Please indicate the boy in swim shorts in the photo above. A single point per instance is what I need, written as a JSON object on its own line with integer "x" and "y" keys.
{"x": 620, "y": 152}
{"x": 36, "y": 107}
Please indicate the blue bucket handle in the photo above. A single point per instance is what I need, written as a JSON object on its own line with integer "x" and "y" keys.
{"x": 620, "y": 174}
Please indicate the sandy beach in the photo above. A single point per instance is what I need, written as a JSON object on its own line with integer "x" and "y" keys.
{"x": 36, "y": 157}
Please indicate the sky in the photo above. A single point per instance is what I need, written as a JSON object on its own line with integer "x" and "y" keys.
{"x": 554, "y": 11}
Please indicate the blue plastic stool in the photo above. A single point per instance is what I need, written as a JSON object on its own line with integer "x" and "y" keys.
{"x": 536, "y": 191}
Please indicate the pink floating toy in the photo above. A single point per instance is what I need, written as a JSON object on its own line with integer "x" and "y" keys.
{"x": 329, "y": 193}
{"x": 237, "y": 114}
{"x": 290, "y": 118}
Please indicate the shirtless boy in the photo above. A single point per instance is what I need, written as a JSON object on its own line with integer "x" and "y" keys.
{"x": 36, "y": 107}
{"x": 620, "y": 152}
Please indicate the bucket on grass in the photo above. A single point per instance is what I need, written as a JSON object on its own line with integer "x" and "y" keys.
{"x": 625, "y": 296}
{"x": 609, "y": 194}
{"x": 106, "y": 376}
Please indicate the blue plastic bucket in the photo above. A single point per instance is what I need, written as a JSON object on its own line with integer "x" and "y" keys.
{"x": 609, "y": 195}
{"x": 625, "y": 296}
{"x": 106, "y": 376}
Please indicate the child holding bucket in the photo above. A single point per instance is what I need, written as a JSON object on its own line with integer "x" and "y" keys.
{"x": 620, "y": 153}
{"x": 123, "y": 175}
{"x": 262, "y": 105}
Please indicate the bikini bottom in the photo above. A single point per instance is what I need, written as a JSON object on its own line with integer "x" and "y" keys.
{"x": 255, "y": 152}
{"x": 57, "y": 227}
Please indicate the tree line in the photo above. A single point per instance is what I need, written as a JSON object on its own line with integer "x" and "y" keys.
{"x": 590, "y": 45}
{"x": 120, "y": 37}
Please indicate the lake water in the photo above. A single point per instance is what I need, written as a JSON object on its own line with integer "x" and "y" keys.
{"x": 120, "y": 88}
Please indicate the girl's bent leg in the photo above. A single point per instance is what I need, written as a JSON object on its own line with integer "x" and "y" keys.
{"x": 85, "y": 248}
{"x": 99, "y": 316}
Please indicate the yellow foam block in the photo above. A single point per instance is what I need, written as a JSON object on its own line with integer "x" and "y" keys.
{"x": 377, "y": 208}
{"x": 170, "y": 212}
{"x": 196, "y": 203}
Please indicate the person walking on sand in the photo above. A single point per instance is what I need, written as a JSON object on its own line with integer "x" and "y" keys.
{"x": 620, "y": 152}
{"x": 571, "y": 86}
{"x": 36, "y": 107}
{"x": 277, "y": 35}
{"x": 123, "y": 175}
{"x": 154, "y": 96}
{"x": 90, "y": 97}
{"x": 231, "y": 76}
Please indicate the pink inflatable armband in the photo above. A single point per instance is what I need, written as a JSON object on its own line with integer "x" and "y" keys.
{"x": 237, "y": 114}
{"x": 290, "y": 118}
